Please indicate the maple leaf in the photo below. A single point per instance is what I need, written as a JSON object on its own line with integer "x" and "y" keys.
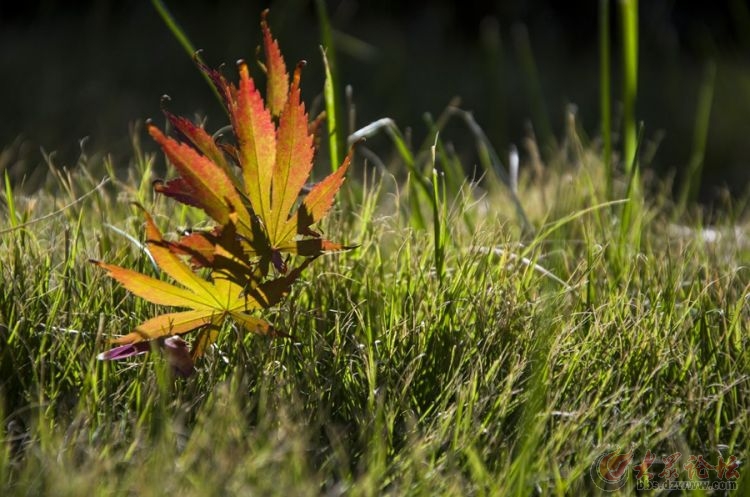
{"x": 277, "y": 76}
{"x": 275, "y": 159}
{"x": 209, "y": 302}
{"x": 255, "y": 188}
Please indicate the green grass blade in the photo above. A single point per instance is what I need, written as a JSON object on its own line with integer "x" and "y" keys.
{"x": 534, "y": 85}
{"x": 629, "y": 33}
{"x": 692, "y": 179}
{"x": 493, "y": 165}
{"x": 420, "y": 188}
{"x": 630, "y": 225}
{"x": 12, "y": 217}
{"x": 331, "y": 108}
{"x": 388, "y": 126}
{"x": 11, "y": 207}
{"x": 182, "y": 38}
{"x": 438, "y": 217}
{"x": 605, "y": 92}
{"x": 330, "y": 88}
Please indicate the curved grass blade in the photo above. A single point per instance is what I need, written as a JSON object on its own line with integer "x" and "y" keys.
{"x": 182, "y": 38}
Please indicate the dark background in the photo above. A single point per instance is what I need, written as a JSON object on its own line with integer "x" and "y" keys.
{"x": 70, "y": 70}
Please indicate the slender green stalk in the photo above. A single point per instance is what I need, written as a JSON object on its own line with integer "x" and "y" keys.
{"x": 605, "y": 92}
{"x": 629, "y": 33}
{"x": 493, "y": 55}
{"x": 329, "y": 94}
{"x": 331, "y": 88}
{"x": 9, "y": 200}
{"x": 182, "y": 38}
{"x": 438, "y": 217}
{"x": 492, "y": 166}
{"x": 692, "y": 179}
{"x": 418, "y": 184}
{"x": 173, "y": 26}
{"x": 630, "y": 219}
{"x": 534, "y": 85}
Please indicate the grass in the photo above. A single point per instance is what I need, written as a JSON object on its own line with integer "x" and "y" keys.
{"x": 629, "y": 37}
{"x": 451, "y": 364}
{"x": 691, "y": 183}
{"x": 605, "y": 90}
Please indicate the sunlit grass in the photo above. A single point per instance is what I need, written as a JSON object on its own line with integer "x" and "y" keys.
{"x": 489, "y": 338}
{"x": 452, "y": 359}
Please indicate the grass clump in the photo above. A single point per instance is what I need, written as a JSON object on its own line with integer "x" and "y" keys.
{"x": 507, "y": 370}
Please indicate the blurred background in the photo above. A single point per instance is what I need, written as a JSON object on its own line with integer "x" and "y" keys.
{"x": 91, "y": 69}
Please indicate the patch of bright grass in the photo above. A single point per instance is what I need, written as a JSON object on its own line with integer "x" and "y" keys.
{"x": 506, "y": 370}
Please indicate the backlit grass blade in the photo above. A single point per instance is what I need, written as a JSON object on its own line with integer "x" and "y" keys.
{"x": 605, "y": 93}
{"x": 629, "y": 34}
{"x": 534, "y": 85}
{"x": 329, "y": 93}
{"x": 421, "y": 191}
{"x": 692, "y": 179}
{"x": 493, "y": 165}
{"x": 439, "y": 215}
{"x": 630, "y": 219}
{"x": 182, "y": 38}
{"x": 9, "y": 200}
